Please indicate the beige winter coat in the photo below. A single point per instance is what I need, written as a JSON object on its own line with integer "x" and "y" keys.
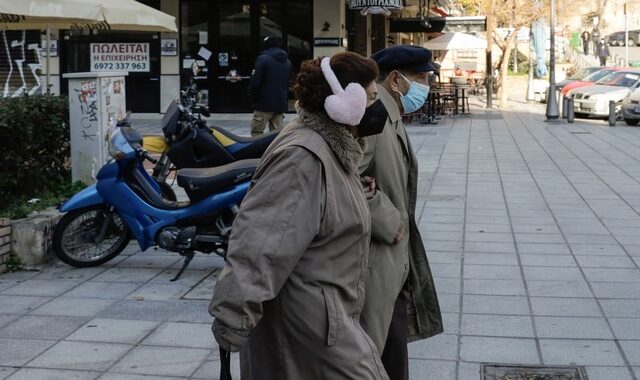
{"x": 401, "y": 269}
{"x": 293, "y": 285}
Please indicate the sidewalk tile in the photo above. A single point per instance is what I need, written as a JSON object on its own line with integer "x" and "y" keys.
{"x": 420, "y": 369}
{"x": 499, "y": 350}
{"x": 162, "y": 361}
{"x": 20, "y": 304}
{"x": 550, "y": 273}
{"x": 494, "y": 287}
{"x": 575, "y": 289}
{"x": 621, "y": 307}
{"x": 616, "y": 290}
{"x": 174, "y": 334}
{"x": 443, "y": 346}
{"x": 79, "y": 307}
{"x": 497, "y": 325}
{"x": 626, "y": 328}
{"x": 104, "y": 290}
{"x": 449, "y": 303}
{"x": 159, "y": 292}
{"x": 6, "y": 371}
{"x": 565, "y": 261}
{"x": 41, "y": 327}
{"x": 565, "y": 307}
{"x": 18, "y": 352}
{"x": 631, "y": 349}
{"x": 605, "y": 262}
{"x": 473, "y": 258}
{"x": 612, "y": 274}
{"x": 113, "y": 331}
{"x": 501, "y": 272}
{"x": 127, "y": 275}
{"x": 52, "y": 374}
{"x": 507, "y": 305}
{"x": 81, "y": 356}
{"x": 581, "y": 352}
{"x": 572, "y": 327}
{"x": 608, "y": 373}
{"x": 42, "y": 288}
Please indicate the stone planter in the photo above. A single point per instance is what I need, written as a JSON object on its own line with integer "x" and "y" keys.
{"x": 31, "y": 237}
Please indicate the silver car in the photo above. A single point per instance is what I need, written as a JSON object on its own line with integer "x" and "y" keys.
{"x": 594, "y": 100}
{"x": 631, "y": 108}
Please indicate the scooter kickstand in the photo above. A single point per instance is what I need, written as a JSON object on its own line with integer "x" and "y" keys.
{"x": 187, "y": 259}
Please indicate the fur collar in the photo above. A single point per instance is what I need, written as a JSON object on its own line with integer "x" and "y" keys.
{"x": 347, "y": 149}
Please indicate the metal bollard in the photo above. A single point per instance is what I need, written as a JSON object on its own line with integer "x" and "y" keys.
{"x": 612, "y": 113}
{"x": 570, "y": 113}
{"x": 565, "y": 104}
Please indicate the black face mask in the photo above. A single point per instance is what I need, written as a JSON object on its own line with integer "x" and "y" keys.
{"x": 374, "y": 119}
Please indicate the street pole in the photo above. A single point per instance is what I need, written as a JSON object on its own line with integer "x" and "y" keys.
{"x": 489, "y": 68}
{"x": 552, "y": 112}
{"x": 626, "y": 37}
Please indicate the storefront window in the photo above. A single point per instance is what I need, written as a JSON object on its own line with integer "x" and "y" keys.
{"x": 233, "y": 31}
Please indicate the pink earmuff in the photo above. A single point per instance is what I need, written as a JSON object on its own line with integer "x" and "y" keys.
{"x": 345, "y": 106}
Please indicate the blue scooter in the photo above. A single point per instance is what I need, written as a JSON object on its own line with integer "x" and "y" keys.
{"x": 100, "y": 219}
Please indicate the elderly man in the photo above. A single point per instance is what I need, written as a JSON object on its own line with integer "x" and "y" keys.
{"x": 401, "y": 304}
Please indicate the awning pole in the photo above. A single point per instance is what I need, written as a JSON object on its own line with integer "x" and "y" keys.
{"x": 48, "y": 54}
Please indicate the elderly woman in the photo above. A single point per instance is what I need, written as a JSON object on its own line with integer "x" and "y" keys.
{"x": 293, "y": 285}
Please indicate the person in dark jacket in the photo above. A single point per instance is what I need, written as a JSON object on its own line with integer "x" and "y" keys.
{"x": 586, "y": 38}
{"x": 602, "y": 51}
{"x": 270, "y": 86}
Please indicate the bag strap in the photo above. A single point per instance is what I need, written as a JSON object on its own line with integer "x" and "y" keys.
{"x": 225, "y": 364}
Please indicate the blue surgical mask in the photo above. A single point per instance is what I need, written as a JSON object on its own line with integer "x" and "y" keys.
{"x": 415, "y": 97}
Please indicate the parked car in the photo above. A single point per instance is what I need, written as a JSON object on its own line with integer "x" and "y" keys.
{"x": 631, "y": 108}
{"x": 594, "y": 100}
{"x": 590, "y": 79}
{"x": 617, "y": 38}
{"x": 578, "y": 75}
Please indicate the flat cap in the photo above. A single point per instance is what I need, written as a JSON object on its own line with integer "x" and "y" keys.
{"x": 404, "y": 57}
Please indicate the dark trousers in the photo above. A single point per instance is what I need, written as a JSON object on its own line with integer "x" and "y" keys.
{"x": 603, "y": 61}
{"x": 585, "y": 47}
{"x": 395, "y": 356}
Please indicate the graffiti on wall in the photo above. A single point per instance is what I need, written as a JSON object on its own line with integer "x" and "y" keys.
{"x": 87, "y": 97}
{"x": 20, "y": 63}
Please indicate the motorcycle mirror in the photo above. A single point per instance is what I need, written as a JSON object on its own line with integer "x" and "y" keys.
{"x": 204, "y": 111}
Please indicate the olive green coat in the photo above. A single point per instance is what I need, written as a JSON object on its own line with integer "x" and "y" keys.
{"x": 401, "y": 268}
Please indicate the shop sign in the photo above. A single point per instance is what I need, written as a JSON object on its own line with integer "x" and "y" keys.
{"x": 326, "y": 42}
{"x": 120, "y": 56}
{"x": 364, "y": 4}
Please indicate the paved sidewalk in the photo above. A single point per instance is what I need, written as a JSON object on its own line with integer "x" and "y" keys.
{"x": 533, "y": 233}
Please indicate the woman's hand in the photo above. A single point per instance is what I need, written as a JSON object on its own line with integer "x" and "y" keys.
{"x": 369, "y": 185}
{"x": 399, "y": 234}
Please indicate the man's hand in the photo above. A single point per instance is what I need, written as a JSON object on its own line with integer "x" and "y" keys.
{"x": 399, "y": 235}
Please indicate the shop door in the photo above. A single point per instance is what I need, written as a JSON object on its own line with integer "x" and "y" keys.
{"x": 233, "y": 59}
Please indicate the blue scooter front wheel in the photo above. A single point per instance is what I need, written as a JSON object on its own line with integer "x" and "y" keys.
{"x": 90, "y": 236}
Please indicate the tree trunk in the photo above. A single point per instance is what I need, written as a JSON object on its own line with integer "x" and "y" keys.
{"x": 504, "y": 68}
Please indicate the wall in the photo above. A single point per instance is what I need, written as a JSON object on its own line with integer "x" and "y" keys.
{"x": 333, "y": 12}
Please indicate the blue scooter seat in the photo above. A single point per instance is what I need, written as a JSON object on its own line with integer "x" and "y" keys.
{"x": 201, "y": 183}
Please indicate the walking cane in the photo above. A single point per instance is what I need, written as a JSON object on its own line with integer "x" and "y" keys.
{"x": 225, "y": 364}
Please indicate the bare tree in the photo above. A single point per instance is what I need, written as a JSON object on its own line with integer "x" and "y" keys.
{"x": 512, "y": 14}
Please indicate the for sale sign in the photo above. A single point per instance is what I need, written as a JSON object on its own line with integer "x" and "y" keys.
{"x": 120, "y": 56}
